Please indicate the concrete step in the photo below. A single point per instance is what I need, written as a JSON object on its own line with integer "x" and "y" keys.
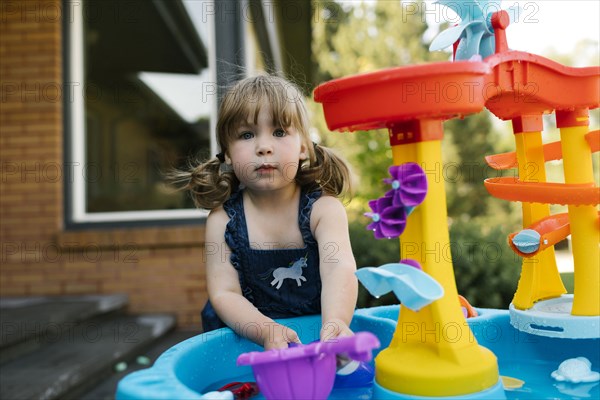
{"x": 26, "y": 324}
{"x": 106, "y": 389}
{"x": 80, "y": 357}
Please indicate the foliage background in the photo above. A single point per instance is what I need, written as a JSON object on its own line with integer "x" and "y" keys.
{"x": 357, "y": 37}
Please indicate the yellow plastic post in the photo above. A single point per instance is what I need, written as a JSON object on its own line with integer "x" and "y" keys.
{"x": 585, "y": 231}
{"x": 433, "y": 351}
{"x": 540, "y": 278}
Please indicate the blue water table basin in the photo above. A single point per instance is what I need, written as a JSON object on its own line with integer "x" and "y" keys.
{"x": 207, "y": 362}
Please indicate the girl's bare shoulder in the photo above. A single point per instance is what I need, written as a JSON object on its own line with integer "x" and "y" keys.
{"x": 216, "y": 222}
{"x": 327, "y": 209}
{"x": 327, "y": 203}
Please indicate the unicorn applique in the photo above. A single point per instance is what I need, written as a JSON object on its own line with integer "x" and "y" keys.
{"x": 294, "y": 271}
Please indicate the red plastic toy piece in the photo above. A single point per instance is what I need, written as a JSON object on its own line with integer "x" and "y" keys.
{"x": 241, "y": 390}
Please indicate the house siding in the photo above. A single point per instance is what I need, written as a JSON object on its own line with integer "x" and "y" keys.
{"x": 161, "y": 269}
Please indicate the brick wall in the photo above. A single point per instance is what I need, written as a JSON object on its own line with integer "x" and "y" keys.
{"x": 160, "y": 269}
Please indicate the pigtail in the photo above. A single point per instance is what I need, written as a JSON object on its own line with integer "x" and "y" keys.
{"x": 210, "y": 184}
{"x": 329, "y": 172}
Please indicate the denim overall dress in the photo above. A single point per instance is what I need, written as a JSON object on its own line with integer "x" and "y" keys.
{"x": 279, "y": 282}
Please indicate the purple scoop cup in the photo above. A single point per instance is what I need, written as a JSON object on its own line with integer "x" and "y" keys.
{"x": 305, "y": 371}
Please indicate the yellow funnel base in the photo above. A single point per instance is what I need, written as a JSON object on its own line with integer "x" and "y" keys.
{"x": 419, "y": 370}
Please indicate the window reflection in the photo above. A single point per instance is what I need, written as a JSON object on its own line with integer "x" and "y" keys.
{"x": 148, "y": 103}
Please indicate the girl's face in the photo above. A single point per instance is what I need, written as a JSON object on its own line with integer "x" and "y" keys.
{"x": 264, "y": 156}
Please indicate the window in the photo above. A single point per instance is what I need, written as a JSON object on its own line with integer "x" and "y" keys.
{"x": 143, "y": 78}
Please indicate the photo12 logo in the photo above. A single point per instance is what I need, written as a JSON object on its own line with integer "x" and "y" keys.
{"x": 68, "y": 252}
{"x": 54, "y": 172}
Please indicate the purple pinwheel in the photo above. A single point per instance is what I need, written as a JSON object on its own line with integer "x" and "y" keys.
{"x": 409, "y": 188}
{"x": 409, "y": 184}
{"x": 389, "y": 221}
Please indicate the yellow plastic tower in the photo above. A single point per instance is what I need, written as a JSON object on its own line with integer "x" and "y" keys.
{"x": 585, "y": 230}
{"x": 540, "y": 278}
{"x": 433, "y": 351}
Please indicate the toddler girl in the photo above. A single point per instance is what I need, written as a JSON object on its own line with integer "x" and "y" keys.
{"x": 277, "y": 242}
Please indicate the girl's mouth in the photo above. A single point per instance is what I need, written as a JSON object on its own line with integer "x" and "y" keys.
{"x": 264, "y": 168}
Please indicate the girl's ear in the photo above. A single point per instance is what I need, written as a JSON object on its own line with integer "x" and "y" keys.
{"x": 303, "y": 152}
{"x": 227, "y": 159}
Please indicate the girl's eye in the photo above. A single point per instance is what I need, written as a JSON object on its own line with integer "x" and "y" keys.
{"x": 246, "y": 135}
{"x": 279, "y": 133}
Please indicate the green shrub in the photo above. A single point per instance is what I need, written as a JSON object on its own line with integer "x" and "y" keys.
{"x": 485, "y": 268}
{"x": 370, "y": 252}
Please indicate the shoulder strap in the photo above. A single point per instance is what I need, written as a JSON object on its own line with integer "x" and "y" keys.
{"x": 307, "y": 200}
{"x": 235, "y": 232}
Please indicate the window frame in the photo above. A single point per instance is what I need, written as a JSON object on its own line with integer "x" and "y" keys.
{"x": 74, "y": 136}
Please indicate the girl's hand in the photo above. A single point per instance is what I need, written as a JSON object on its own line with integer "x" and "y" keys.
{"x": 278, "y": 337}
{"x": 335, "y": 328}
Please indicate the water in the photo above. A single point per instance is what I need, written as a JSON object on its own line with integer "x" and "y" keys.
{"x": 536, "y": 374}
{"x": 540, "y": 385}
{"x": 336, "y": 394}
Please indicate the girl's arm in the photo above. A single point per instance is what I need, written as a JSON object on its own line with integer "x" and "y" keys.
{"x": 225, "y": 293}
{"x": 337, "y": 267}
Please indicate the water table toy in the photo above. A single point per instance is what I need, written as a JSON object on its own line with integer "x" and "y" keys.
{"x": 516, "y": 86}
{"x": 433, "y": 351}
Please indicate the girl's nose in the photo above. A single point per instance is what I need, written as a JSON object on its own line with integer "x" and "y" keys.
{"x": 264, "y": 147}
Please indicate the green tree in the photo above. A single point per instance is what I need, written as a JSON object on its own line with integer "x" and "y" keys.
{"x": 357, "y": 38}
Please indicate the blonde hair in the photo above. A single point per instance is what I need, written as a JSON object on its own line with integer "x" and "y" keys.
{"x": 211, "y": 185}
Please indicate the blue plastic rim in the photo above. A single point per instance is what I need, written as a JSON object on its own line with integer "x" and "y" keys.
{"x": 553, "y": 318}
